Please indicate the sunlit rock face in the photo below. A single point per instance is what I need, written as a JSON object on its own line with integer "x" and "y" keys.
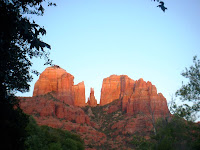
{"x": 57, "y": 80}
{"x": 127, "y": 107}
{"x": 136, "y": 96}
{"x": 79, "y": 94}
{"x": 145, "y": 99}
{"x": 115, "y": 87}
{"x": 91, "y": 100}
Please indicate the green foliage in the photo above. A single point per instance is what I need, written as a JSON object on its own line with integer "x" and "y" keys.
{"x": 47, "y": 138}
{"x": 184, "y": 111}
{"x": 12, "y": 124}
{"x": 176, "y": 134}
{"x": 101, "y": 116}
{"x": 20, "y": 41}
{"x": 55, "y": 146}
{"x": 190, "y": 92}
{"x": 140, "y": 143}
{"x": 172, "y": 134}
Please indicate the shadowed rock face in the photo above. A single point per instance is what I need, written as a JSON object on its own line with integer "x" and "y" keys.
{"x": 56, "y": 79}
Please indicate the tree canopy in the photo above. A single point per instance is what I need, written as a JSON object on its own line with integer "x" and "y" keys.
{"x": 20, "y": 41}
{"x": 47, "y": 138}
{"x": 189, "y": 93}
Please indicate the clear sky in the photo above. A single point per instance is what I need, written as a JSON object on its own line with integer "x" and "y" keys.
{"x": 93, "y": 39}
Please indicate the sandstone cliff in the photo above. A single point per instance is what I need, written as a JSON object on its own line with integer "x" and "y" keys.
{"x": 79, "y": 94}
{"x": 137, "y": 96}
{"x": 126, "y": 107}
{"x": 57, "y": 80}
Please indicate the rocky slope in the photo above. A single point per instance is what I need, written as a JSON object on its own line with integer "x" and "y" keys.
{"x": 126, "y": 107}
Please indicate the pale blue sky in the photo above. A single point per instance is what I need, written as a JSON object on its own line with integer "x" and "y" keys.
{"x": 93, "y": 39}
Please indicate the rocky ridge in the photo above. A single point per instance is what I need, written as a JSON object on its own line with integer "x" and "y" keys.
{"x": 126, "y": 107}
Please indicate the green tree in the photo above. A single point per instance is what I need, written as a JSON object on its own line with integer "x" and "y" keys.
{"x": 47, "y": 138}
{"x": 140, "y": 143}
{"x": 190, "y": 92}
{"x": 173, "y": 133}
{"x": 20, "y": 41}
{"x": 176, "y": 134}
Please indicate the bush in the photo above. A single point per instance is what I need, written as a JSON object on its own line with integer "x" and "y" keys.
{"x": 47, "y": 138}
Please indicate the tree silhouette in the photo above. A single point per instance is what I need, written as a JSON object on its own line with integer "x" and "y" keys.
{"x": 20, "y": 41}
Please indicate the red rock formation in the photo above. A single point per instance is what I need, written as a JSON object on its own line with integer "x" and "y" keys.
{"x": 137, "y": 96}
{"x": 145, "y": 99}
{"x": 48, "y": 80}
{"x": 115, "y": 87}
{"x": 139, "y": 99}
{"x": 47, "y": 105}
{"x": 56, "y": 79}
{"x": 126, "y": 90}
{"x": 47, "y": 110}
{"x": 79, "y": 94}
{"x": 91, "y": 100}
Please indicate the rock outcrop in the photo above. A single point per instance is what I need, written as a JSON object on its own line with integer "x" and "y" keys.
{"x": 114, "y": 87}
{"x": 79, "y": 94}
{"x": 47, "y": 110}
{"x": 137, "y": 96}
{"x": 145, "y": 99}
{"x": 57, "y": 80}
{"x": 126, "y": 107}
{"x": 91, "y": 100}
